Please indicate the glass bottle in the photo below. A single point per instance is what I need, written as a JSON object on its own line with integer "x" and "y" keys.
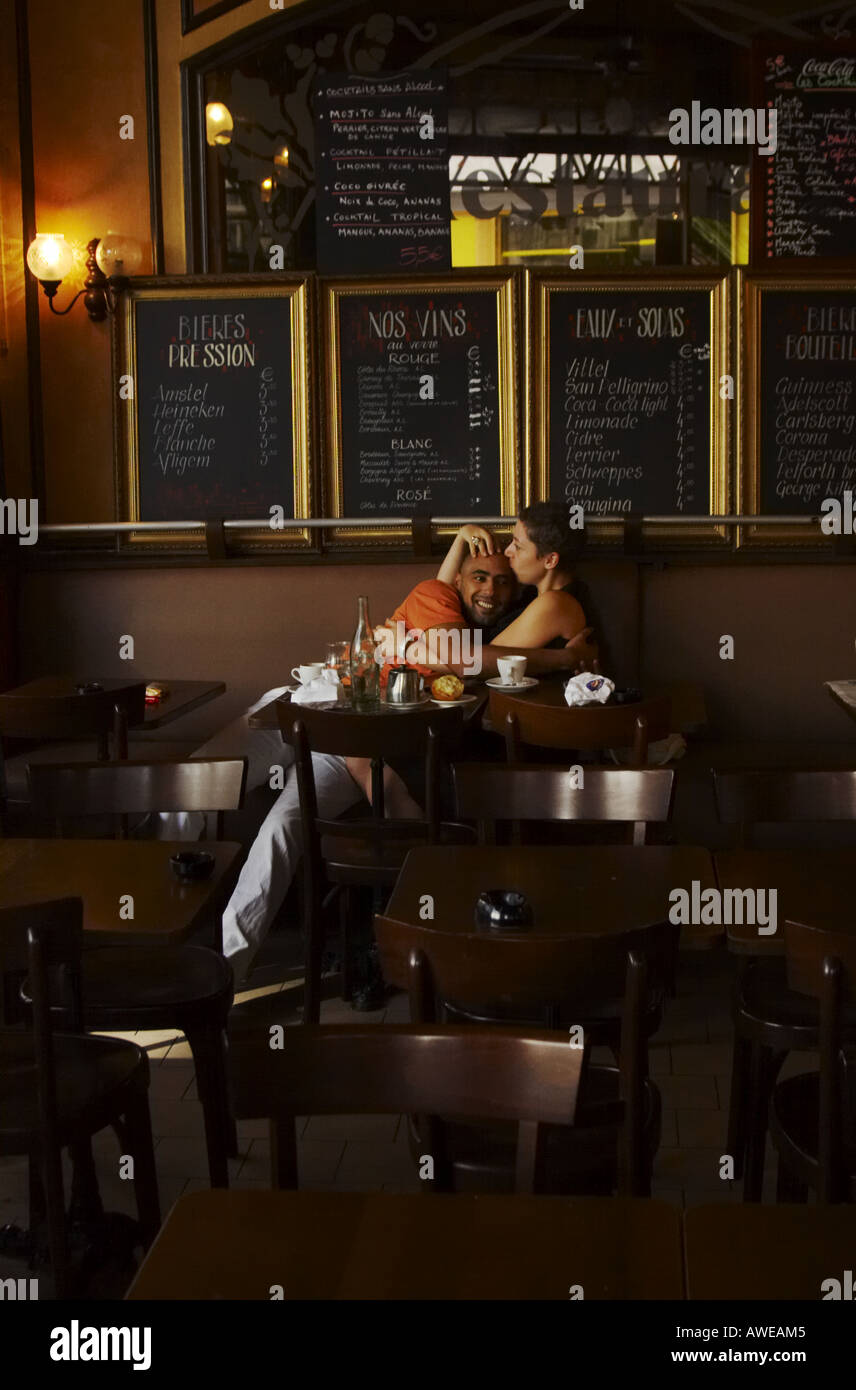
{"x": 365, "y": 674}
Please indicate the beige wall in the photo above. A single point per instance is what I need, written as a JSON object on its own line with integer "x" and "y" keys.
{"x": 793, "y": 629}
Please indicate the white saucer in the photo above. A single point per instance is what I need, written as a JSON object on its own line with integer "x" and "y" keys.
{"x": 497, "y": 683}
{"x": 461, "y": 700}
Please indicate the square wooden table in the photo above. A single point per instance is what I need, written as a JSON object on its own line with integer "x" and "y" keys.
{"x": 577, "y": 888}
{"x": 750, "y": 1251}
{"x": 348, "y": 1245}
{"x": 183, "y": 697}
{"x": 814, "y": 886}
{"x": 102, "y": 872}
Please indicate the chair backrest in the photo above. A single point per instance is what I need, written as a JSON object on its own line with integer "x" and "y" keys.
{"x": 491, "y": 792}
{"x": 522, "y": 973}
{"x": 756, "y": 796}
{"x": 63, "y": 791}
{"x": 489, "y": 1073}
{"x": 600, "y": 727}
{"x": 44, "y": 941}
{"x": 71, "y": 716}
{"x": 564, "y": 980}
{"x": 822, "y": 964}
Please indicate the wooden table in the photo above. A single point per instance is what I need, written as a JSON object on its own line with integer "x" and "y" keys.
{"x": 814, "y": 886}
{"x": 590, "y": 888}
{"x": 183, "y": 697}
{"x": 266, "y": 717}
{"x": 347, "y": 1245}
{"x": 844, "y": 694}
{"x": 688, "y": 714}
{"x": 100, "y": 872}
{"x": 752, "y": 1251}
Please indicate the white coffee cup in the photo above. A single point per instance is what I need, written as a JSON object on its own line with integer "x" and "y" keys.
{"x": 511, "y": 669}
{"x": 306, "y": 674}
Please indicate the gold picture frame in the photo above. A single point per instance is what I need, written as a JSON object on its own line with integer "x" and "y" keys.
{"x": 296, "y": 290}
{"x": 539, "y": 289}
{"x": 333, "y": 290}
{"x": 752, "y": 285}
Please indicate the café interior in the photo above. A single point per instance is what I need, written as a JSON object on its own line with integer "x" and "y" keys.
{"x": 514, "y": 967}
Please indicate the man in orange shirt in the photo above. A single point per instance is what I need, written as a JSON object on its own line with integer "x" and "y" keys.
{"x": 468, "y": 616}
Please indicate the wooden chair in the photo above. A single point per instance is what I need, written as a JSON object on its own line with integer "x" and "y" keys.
{"x": 67, "y": 791}
{"x": 532, "y": 725}
{"x": 366, "y": 852}
{"x": 492, "y": 792}
{"x": 58, "y": 1088}
{"x": 188, "y": 988}
{"x": 813, "y": 1116}
{"x": 371, "y": 1069}
{"x": 752, "y": 797}
{"x": 554, "y": 982}
{"x": 770, "y": 1019}
{"x": 91, "y": 718}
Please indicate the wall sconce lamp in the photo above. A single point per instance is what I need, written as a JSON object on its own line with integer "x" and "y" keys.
{"x": 218, "y": 123}
{"x": 109, "y": 261}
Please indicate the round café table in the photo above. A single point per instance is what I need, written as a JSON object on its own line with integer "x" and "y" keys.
{"x": 544, "y": 719}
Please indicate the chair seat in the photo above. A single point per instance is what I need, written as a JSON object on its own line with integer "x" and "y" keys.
{"x": 578, "y": 1159}
{"x": 765, "y": 999}
{"x": 348, "y": 859}
{"x": 90, "y": 1076}
{"x": 126, "y": 984}
{"x": 128, "y": 979}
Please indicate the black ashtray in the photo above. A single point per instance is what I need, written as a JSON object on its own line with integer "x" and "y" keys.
{"x": 503, "y": 909}
{"x": 626, "y": 697}
{"x": 191, "y": 865}
{"x": 89, "y": 688}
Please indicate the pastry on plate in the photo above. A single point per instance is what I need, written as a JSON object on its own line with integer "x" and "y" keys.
{"x": 447, "y": 688}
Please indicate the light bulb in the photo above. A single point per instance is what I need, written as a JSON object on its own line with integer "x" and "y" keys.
{"x": 281, "y": 157}
{"x": 218, "y": 123}
{"x": 117, "y": 255}
{"x": 49, "y": 257}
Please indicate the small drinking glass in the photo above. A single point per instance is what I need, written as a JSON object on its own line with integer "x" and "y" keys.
{"x": 339, "y": 660}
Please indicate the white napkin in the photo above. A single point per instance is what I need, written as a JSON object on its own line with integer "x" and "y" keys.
{"x": 324, "y": 690}
{"x": 588, "y": 689}
{"x": 267, "y": 697}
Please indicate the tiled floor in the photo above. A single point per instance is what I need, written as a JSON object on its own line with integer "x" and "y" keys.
{"x": 690, "y": 1061}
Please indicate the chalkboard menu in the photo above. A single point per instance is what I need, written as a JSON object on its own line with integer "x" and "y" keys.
{"x": 216, "y": 422}
{"x": 626, "y": 394}
{"x": 382, "y": 173}
{"x": 421, "y": 408}
{"x": 801, "y": 356}
{"x": 804, "y": 195}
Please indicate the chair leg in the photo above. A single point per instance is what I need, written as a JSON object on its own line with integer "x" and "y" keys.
{"x": 763, "y": 1072}
{"x": 346, "y": 906}
{"x": 138, "y": 1132}
{"x": 788, "y": 1186}
{"x": 86, "y": 1202}
{"x": 56, "y": 1223}
{"x": 740, "y": 1069}
{"x": 208, "y": 1045}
